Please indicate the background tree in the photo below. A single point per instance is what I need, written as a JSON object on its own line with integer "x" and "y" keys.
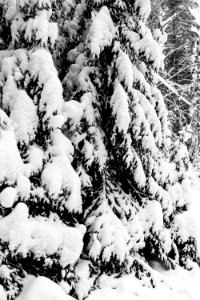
{"x": 195, "y": 86}
{"x": 179, "y": 62}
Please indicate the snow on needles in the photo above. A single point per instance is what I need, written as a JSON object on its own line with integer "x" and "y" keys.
{"x": 42, "y": 67}
{"x": 10, "y": 160}
{"x": 144, "y": 7}
{"x": 23, "y": 109}
{"x": 23, "y": 112}
{"x": 24, "y": 234}
{"x": 40, "y": 235}
{"x": 169, "y": 287}
{"x": 119, "y": 102}
{"x": 125, "y": 69}
{"x": 37, "y": 27}
{"x": 7, "y": 197}
{"x": 101, "y": 33}
{"x": 152, "y": 51}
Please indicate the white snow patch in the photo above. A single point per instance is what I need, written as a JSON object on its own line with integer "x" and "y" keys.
{"x": 42, "y": 236}
{"x": 36, "y": 157}
{"x": 144, "y": 8}
{"x": 42, "y": 288}
{"x": 10, "y": 161}
{"x": 151, "y": 49}
{"x": 7, "y": 197}
{"x": 120, "y": 107}
{"x": 59, "y": 174}
{"x": 125, "y": 69}
{"x": 73, "y": 111}
{"x": 23, "y": 111}
{"x": 169, "y": 286}
{"x": 41, "y": 66}
{"x": 23, "y": 187}
{"x": 101, "y": 33}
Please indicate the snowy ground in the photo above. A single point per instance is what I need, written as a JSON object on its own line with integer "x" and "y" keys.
{"x": 176, "y": 284}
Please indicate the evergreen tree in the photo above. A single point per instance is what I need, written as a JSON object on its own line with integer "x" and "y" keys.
{"x": 39, "y": 190}
{"x": 111, "y": 170}
{"x": 134, "y": 194}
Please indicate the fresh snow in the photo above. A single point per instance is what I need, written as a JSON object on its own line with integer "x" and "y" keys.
{"x": 41, "y": 65}
{"x": 144, "y": 7}
{"x": 10, "y": 161}
{"x": 125, "y": 69}
{"x": 152, "y": 51}
{"x": 194, "y": 211}
{"x": 42, "y": 288}
{"x": 40, "y": 235}
{"x": 116, "y": 228}
{"x": 119, "y": 102}
{"x": 7, "y": 197}
{"x": 178, "y": 284}
{"x": 101, "y": 33}
{"x": 172, "y": 285}
{"x": 38, "y": 28}
{"x": 23, "y": 112}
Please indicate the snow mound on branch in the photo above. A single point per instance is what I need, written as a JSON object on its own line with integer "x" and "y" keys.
{"x": 41, "y": 236}
{"x": 125, "y": 69}
{"x": 38, "y": 28}
{"x": 144, "y": 7}
{"x": 60, "y": 174}
{"x": 119, "y": 102}
{"x": 36, "y": 157}
{"x": 2, "y": 293}
{"x": 10, "y": 161}
{"x": 7, "y": 197}
{"x": 73, "y": 111}
{"x": 4, "y": 121}
{"x": 42, "y": 288}
{"x": 112, "y": 239}
{"x": 23, "y": 111}
{"x": 101, "y": 32}
{"x": 23, "y": 187}
{"x": 152, "y": 51}
{"x": 41, "y": 66}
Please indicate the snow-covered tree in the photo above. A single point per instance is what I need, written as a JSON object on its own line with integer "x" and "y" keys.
{"x": 133, "y": 194}
{"x": 111, "y": 170}
{"x": 39, "y": 189}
